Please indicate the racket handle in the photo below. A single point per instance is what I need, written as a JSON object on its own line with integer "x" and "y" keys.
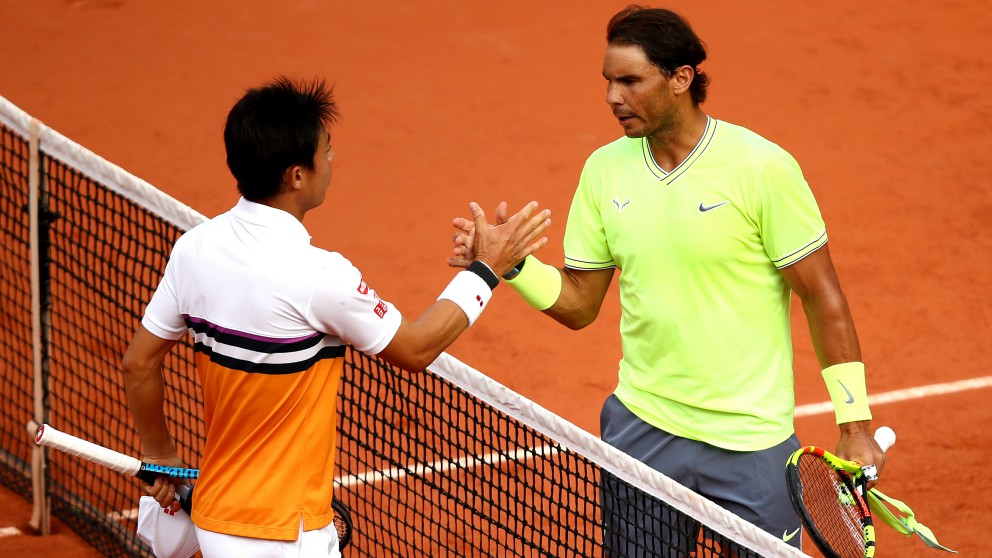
{"x": 885, "y": 437}
{"x": 50, "y": 437}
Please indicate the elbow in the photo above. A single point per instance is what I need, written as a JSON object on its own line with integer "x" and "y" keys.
{"x": 576, "y": 325}
{"x": 576, "y": 319}
{"x": 129, "y": 365}
{"x": 421, "y": 360}
{"x": 414, "y": 363}
{"x": 414, "y": 360}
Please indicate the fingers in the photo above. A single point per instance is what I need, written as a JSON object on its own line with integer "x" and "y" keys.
{"x": 501, "y": 213}
{"x": 463, "y": 225}
{"x": 535, "y": 224}
{"x": 524, "y": 212}
{"x": 534, "y": 247}
{"x": 459, "y": 262}
{"x": 503, "y": 244}
{"x": 478, "y": 215}
{"x": 164, "y": 492}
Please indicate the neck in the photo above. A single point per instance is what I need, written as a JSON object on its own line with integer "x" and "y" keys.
{"x": 674, "y": 143}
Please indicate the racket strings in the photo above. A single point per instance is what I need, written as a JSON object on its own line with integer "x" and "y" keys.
{"x": 833, "y": 508}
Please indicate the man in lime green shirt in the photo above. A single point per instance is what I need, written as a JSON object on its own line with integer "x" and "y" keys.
{"x": 712, "y": 227}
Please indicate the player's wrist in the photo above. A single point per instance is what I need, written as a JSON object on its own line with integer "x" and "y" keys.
{"x": 848, "y": 392}
{"x": 538, "y": 283}
{"x": 485, "y": 272}
{"x": 515, "y": 271}
{"x": 472, "y": 289}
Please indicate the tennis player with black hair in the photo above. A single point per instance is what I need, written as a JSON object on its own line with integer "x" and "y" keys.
{"x": 270, "y": 316}
{"x": 712, "y": 227}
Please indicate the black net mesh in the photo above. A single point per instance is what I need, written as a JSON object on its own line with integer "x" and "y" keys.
{"x": 428, "y": 470}
{"x": 16, "y": 353}
{"x": 106, "y": 256}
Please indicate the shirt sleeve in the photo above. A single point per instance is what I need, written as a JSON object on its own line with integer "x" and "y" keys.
{"x": 586, "y": 246}
{"x": 163, "y": 317}
{"x": 344, "y": 305}
{"x": 789, "y": 220}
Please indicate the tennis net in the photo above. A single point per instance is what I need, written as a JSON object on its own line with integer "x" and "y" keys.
{"x": 445, "y": 462}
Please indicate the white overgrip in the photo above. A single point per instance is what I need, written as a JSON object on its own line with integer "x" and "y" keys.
{"x": 116, "y": 461}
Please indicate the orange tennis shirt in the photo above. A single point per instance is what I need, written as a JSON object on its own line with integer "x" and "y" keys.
{"x": 270, "y": 317}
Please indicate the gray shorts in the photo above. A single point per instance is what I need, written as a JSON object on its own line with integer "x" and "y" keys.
{"x": 749, "y": 484}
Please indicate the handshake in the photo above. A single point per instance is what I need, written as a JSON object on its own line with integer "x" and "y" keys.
{"x": 503, "y": 245}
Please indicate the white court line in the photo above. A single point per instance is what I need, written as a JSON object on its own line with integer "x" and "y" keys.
{"x": 801, "y": 411}
{"x": 444, "y": 465}
{"x": 493, "y": 458}
{"x": 9, "y": 532}
{"x": 902, "y": 395}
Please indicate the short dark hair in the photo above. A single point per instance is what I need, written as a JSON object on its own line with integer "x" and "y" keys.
{"x": 275, "y": 127}
{"x": 667, "y": 40}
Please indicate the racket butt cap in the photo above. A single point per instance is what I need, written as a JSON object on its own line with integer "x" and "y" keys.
{"x": 34, "y": 430}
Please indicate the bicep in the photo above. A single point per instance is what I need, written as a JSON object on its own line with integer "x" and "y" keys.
{"x": 146, "y": 350}
{"x": 813, "y": 277}
{"x": 831, "y": 326}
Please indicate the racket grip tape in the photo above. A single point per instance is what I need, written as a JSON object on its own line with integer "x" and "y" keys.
{"x": 116, "y": 461}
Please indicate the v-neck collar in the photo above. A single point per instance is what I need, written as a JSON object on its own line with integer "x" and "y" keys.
{"x": 697, "y": 152}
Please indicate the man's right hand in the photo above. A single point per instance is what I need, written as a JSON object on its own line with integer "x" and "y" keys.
{"x": 164, "y": 488}
{"x": 503, "y": 245}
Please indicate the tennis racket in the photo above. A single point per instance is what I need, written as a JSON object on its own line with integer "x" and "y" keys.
{"x": 828, "y": 493}
{"x": 125, "y": 464}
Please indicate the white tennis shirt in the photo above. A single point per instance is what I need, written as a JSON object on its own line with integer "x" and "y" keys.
{"x": 270, "y": 317}
{"x": 253, "y": 271}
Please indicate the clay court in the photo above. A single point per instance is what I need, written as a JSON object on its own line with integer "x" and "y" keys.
{"x": 885, "y": 105}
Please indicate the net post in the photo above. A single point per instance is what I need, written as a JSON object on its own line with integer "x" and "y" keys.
{"x": 40, "y": 514}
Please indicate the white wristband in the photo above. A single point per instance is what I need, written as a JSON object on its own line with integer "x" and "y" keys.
{"x": 470, "y": 292}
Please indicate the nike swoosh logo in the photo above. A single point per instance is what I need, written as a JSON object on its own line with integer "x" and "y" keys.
{"x": 786, "y": 536}
{"x": 703, "y": 208}
{"x": 850, "y": 396}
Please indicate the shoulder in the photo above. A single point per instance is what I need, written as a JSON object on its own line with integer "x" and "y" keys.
{"x": 331, "y": 268}
{"x": 740, "y": 144}
{"x": 200, "y": 237}
{"x": 328, "y": 259}
{"x": 616, "y": 151}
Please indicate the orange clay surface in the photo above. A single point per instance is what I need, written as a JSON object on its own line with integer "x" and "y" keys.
{"x": 885, "y": 105}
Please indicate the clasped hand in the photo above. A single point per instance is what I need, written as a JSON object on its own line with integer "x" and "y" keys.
{"x": 503, "y": 245}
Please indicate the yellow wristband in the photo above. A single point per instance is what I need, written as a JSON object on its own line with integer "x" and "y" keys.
{"x": 538, "y": 283}
{"x": 846, "y": 385}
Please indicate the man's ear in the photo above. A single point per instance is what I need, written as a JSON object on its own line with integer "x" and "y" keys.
{"x": 292, "y": 177}
{"x": 682, "y": 79}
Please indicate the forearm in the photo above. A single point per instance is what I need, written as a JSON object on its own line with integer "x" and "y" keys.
{"x": 573, "y": 308}
{"x": 146, "y": 398}
{"x": 831, "y": 328}
{"x": 417, "y": 343}
{"x": 145, "y": 386}
{"x": 571, "y": 297}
